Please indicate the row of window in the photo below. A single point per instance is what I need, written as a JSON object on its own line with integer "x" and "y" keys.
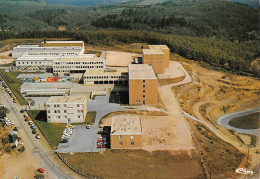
{"x": 65, "y": 111}
{"x": 84, "y": 67}
{"x": 32, "y": 62}
{"x": 77, "y": 63}
{"x": 104, "y": 77}
{"x": 46, "y": 53}
{"x": 121, "y": 143}
{"x": 64, "y": 105}
{"x": 66, "y": 117}
{"x": 131, "y": 137}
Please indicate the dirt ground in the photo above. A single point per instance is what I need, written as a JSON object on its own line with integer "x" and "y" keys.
{"x": 15, "y": 163}
{"x": 162, "y": 133}
{"x": 136, "y": 164}
{"x": 114, "y": 58}
{"x": 5, "y": 59}
{"x": 218, "y": 92}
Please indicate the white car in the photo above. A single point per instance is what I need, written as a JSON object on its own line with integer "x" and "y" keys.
{"x": 38, "y": 136}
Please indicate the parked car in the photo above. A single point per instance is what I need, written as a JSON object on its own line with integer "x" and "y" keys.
{"x": 41, "y": 170}
{"x": 87, "y": 126}
{"x": 34, "y": 131}
{"x": 37, "y": 136}
{"x": 14, "y": 101}
{"x": 64, "y": 141}
{"x": 30, "y": 123}
{"x": 22, "y": 111}
{"x": 33, "y": 127}
{"x": 15, "y": 129}
{"x": 25, "y": 115}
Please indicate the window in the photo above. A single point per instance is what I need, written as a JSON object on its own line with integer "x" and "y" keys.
{"x": 58, "y": 105}
{"x": 48, "y": 111}
{"x": 65, "y": 111}
{"x": 143, "y": 96}
{"x": 79, "y": 117}
{"x": 54, "y": 105}
{"x": 77, "y": 105}
{"x": 58, "y": 117}
{"x": 132, "y": 143}
{"x": 143, "y": 81}
{"x": 143, "y": 91}
{"x": 55, "y": 111}
{"x": 132, "y": 137}
{"x": 64, "y": 105}
{"x": 120, "y": 137}
{"x": 120, "y": 143}
{"x": 143, "y": 86}
{"x": 58, "y": 111}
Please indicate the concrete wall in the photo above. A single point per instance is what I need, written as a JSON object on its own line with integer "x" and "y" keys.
{"x": 156, "y": 60}
{"x": 138, "y": 89}
{"x": 126, "y": 141}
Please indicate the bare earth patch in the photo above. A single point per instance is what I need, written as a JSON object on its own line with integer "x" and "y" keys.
{"x": 114, "y": 58}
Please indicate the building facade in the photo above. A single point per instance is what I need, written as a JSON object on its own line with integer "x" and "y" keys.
{"x": 142, "y": 85}
{"x": 62, "y": 44}
{"x": 79, "y": 64}
{"x": 157, "y": 56}
{"x": 51, "y": 50}
{"x": 66, "y": 109}
{"x": 106, "y": 76}
{"x": 126, "y": 132}
{"x": 38, "y": 60}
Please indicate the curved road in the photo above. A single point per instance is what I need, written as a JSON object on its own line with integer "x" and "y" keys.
{"x": 224, "y": 121}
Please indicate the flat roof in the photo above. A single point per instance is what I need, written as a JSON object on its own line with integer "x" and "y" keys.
{"x": 107, "y": 71}
{"x": 126, "y": 125}
{"x": 56, "y": 41}
{"x": 153, "y": 51}
{"x": 67, "y": 99}
{"x": 163, "y": 47}
{"x": 78, "y": 58}
{"x": 141, "y": 71}
{"x": 34, "y": 47}
{"x": 58, "y": 85}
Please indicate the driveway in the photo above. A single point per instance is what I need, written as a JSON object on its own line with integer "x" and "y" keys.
{"x": 102, "y": 106}
{"x": 84, "y": 140}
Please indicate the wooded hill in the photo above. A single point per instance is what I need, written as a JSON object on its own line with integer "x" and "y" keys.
{"x": 221, "y": 33}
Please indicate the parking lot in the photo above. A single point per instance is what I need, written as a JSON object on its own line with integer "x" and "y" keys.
{"x": 82, "y": 140}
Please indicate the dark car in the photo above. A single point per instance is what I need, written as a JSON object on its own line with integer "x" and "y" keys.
{"x": 64, "y": 141}
{"x": 15, "y": 129}
{"x": 22, "y": 111}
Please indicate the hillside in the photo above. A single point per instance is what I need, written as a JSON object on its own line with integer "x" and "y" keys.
{"x": 252, "y": 3}
{"x": 221, "y": 33}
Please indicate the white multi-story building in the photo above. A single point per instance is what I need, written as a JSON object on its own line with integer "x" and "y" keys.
{"x": 106, "y": 76}
{"x": 67, "y": 65}
{"x": 49, "y": 48}
{"x": 66, "y": 109}
{"x": 36, "y": 60}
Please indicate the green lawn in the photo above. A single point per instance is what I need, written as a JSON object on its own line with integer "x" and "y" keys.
{"x": 250, "y": 121}
{"x": 14, "y": 83}
{"x": 52, "y": 131}
{"x": 90, "y": 118}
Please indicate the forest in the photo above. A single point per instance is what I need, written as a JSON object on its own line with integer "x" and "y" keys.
{"x": 231, "y": 56}
{"x": 221, "y": 33}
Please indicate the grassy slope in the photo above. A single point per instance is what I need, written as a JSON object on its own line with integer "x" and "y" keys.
{"x": 14, "y": 83}
{"x": 53, "y": 131}
{"x": 250, "y": 121}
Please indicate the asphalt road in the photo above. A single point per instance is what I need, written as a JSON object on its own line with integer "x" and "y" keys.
{"x": 224, "y": 120}
{"x": 42, "y": 154}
